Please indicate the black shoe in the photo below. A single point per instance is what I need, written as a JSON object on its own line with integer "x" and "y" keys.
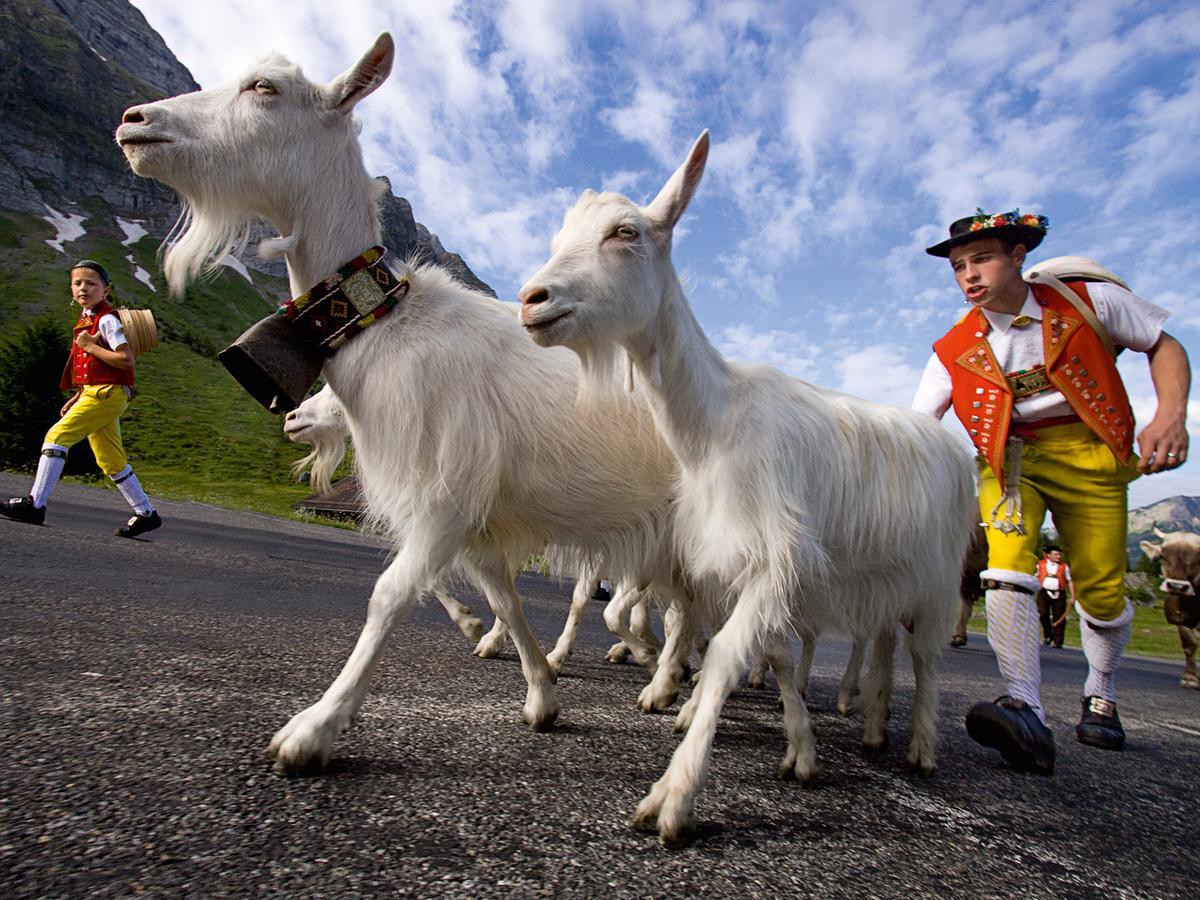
{"x": 1100, "y": 726}
{"x": 139, "y": 525}
{"x": 1010, "y": 726}
{"x": 958, "y": 641}
{"x": 21, "y": 509}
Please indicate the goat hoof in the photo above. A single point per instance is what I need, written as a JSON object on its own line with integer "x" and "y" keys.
{"x": 472, "y": 630}
{"x": 540, "y": 723}
{"x": 875, "y": 749}
{"x": 792, "y": 770}
{"x": 1190, "y": 681}
{"x": 923, "y": 767}
{"x": 677, "y": 838}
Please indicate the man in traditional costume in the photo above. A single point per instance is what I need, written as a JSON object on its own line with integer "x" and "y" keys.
{"x": 1055, "y": 589}
{"x": 100, "y": 369}
{"x": 1030, "y": 375}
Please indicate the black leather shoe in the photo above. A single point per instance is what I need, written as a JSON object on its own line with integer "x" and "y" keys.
{"x": 1100, "y": 726}
{"x": 21, "y": 509}
{"x": 139, "y": 525}
{"x": 1010, "y": 726}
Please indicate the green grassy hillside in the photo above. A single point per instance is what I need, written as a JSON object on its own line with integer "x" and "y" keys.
{"x": 192, "y": 433}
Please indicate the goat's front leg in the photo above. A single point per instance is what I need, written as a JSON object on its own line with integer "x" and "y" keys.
{"x": 491, "y": 572}
{"x": 808, "y": 647}
{"x": 616, "y": 618}
{"x": 679, "y": 623}
{"x": 669, "y": 808}
{"x": 848, "y": 688}
{"x": 492, "y": 644}
{"x": 800, "y": 761}
{"x": 1187, "y": 640}
{"x": 877, "y": 691}
{"x": 305, "y": 742}
{"x": 585, "y": 588}
{"x": 925, "y": 647}
{"x": 460, "y": 615}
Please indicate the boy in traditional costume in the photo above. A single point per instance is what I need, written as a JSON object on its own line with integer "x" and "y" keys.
{"x": 1039, "y": 393}
{"x": 100, "y": 368}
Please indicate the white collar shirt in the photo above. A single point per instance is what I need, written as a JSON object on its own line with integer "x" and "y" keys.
{"x": 1130, "y": 321}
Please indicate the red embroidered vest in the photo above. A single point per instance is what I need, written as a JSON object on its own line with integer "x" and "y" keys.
{"x": 83, "y": 368}
{"x": 1062, "y": 574}
{"x": 1076, "y": 364}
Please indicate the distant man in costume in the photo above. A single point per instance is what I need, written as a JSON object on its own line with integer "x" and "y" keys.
{"x": 1055, "y": 588}
{"x": 1040, "y": 396}
{"x": 100, "y": 369}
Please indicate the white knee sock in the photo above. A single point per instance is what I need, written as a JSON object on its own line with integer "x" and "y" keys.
{"x": 1015, "y": 633}
{"x": 1103, "y": 648}
{"x": 50, "y": 467}
{"x": 132, "y": 491}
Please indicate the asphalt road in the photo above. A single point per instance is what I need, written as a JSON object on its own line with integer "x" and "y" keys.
{"x": 141, "y": 680}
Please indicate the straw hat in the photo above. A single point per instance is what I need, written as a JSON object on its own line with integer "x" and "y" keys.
{"x": 140, "y": 330}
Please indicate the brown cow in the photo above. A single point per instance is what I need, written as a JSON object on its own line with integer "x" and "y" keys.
{"x": 970, "y": 590}
{"x": 1180, "y": 553}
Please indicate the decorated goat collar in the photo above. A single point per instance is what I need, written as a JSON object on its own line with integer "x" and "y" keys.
{"x": 355, "y": 297}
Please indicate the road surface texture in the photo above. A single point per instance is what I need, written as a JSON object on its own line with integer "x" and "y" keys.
{"x": 142, "y": 679}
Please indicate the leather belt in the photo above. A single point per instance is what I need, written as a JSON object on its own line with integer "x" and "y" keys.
{"x": 991, "y": 584}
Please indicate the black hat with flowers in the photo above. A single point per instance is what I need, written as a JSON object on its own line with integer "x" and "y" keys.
{"x": 1024, "y": 228}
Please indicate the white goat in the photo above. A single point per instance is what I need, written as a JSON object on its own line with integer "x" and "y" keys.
{"x": 808, "y": 505}
{"x": 320, "y": 422}
{"x": 472, "y": 449}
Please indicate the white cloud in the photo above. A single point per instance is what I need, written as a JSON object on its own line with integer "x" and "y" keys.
{"x": 845, "y": 139}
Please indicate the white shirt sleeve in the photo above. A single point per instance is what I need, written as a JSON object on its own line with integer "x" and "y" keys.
{"x": 114, "y": 334}
{"x": 1131, "y": 321}
{"x": 933, "y": 393}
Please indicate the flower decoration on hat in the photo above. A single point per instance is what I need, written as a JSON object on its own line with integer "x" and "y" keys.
{"x": 1014, "y": 217}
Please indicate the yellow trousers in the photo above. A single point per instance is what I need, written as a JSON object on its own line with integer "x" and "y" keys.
{"x": 95, "y": 415}
{"x": 1073, "y": 475}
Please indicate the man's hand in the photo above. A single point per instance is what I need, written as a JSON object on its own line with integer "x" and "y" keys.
{"x": 83, "y": 340}
{"x": 1162, "y": 445}
{"x": 74, "y": 398}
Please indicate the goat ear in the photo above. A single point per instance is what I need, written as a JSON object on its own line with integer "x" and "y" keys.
{"x": 1150, "y": 549}
{"x": 672, "y": 200}
{"x": 364, "y": 76}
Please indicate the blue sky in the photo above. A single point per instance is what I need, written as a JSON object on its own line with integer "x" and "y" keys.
{"x": 846, "y": 137}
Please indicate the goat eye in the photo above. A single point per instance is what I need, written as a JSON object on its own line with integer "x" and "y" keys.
{"x": 626, "y": 232}
{"x": 262, "y": 86}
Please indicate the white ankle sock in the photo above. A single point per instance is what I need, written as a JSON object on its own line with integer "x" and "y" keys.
{"x": 1014, "y": 633}
{"x": 1103, "y": 648}
{"x": 50, "y": 467}
{"x": 131, "y": 490}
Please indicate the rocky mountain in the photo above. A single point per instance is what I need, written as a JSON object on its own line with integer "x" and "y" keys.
{"x": 68, "y": 70}
{"x": 1171, "y": 514}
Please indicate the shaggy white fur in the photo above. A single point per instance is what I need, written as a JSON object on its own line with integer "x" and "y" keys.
{"x": 320, "y": 422}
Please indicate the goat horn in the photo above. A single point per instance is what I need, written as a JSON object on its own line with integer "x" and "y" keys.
{"x": 1159, "y": 533}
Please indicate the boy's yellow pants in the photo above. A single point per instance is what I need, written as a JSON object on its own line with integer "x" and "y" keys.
{"x": 1071, "y": 473}
{"x": 95, "y": 415}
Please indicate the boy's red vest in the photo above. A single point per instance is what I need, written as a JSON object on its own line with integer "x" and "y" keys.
{"x": 1077, "y": 364}
{"x": 83, "y": 368}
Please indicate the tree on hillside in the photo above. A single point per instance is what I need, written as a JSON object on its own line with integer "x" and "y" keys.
{"x": 30, "y": 400}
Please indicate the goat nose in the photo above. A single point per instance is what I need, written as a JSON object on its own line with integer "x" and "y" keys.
{"x": 133, "y": 116}
{"x": 531, "y": 295}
